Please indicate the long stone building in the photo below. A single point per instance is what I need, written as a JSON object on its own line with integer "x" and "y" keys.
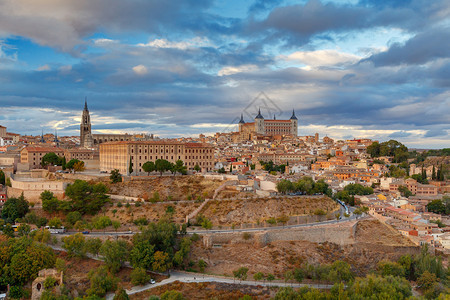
{"x": 118, "y": 155}
{"x": 265, "y": 127}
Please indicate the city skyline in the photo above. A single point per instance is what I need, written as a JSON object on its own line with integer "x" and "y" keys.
{"x": 350, "y": 69}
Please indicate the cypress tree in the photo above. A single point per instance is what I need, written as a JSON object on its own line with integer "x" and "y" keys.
{"x": 433, "y": 175}
{"x": 130, "y": 168}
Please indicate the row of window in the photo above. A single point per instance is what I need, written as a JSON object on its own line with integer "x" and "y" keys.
{"x": 163, "y": 150}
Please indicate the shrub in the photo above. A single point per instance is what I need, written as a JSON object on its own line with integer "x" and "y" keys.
{"x": 246, "y": 236}
{"x": 139, "y": 276}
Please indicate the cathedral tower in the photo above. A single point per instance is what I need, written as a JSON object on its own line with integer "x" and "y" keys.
{"x": 85, "y": 128}
{"x": 294, "y": 124}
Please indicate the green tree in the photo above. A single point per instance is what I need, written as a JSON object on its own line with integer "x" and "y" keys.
{"x": 75, "y": 245}
{"x": 55, "y": 223}
{"x": 258, "y": 276}
{"x": 51, "y": 159}
{"x": 15, "y": 208}
{"x": 101, "y": 222}
{"x": 139, "y": 276}
{"x": 71, "y": 164}
{"x": 130, "y": 166}
{"x": 23, "y": 230}
{"x": 121, "y": 294}
{"x": 179, "y": 167}
{"x": 93, "y": 246}
{"x": 115, "y": 176}
{"x": 162, "y": 165}
{"x": 114, "y": 253}
{"x": 284, "y": 186}
{"x": 141, "y": 255}
{"x": 270, "y": 277}
{"x": 2, "y": 177}
{"x": 101, "y": 282}
{"x": 240, "y": 273}
{"x": 115, "y": 225}
{"x": 24, "y": 260}
{"x": 377, "y": 287}
{"x": 85, "y": 197}
{"x": 73, "y": 217}
{"x": 172, "y": 295}
{"x": 49, "y": 202}
{"x": 299, "y": 275}
{"x": 438, "y": 206}
{"x": 202, "y": 265}
{"x": 197, "y": 168}
{"x": 404, "y": 191}
{"x": 148, "y": 167}
{"x": 340, "y": 272}
{"x": 8, "y": 230}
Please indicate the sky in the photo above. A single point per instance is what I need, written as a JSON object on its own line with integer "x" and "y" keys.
{"x": 350, "y": 69}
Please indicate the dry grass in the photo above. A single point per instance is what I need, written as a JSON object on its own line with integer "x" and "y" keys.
{"x": 208, "y": 290}
{"x": 247, "y": 211}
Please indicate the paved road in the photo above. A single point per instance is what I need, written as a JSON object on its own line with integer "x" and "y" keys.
{"x": 197, "y": 277}
{"x": 221, "y": 231}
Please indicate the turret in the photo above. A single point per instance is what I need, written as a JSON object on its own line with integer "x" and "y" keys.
{"x": 259, "y": 123}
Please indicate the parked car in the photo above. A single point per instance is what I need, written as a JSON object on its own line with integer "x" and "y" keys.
{"x": 86, "y": 232}
{"x": 152, "y": 281}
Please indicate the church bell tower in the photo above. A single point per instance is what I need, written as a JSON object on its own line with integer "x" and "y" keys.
{"x": 85, "y": 128}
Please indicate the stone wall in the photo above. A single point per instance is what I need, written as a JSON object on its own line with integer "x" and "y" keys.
{"x": 32, "y": 188}
{"x": 341, "y": 234}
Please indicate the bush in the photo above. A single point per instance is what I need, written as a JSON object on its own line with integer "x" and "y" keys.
{"x": 246, "y": 236}
{"x": 139, "y": 276}
{"x": 140, "y": 221}
{"x": 172, "y": 295}
{"x": 320, "y": 212}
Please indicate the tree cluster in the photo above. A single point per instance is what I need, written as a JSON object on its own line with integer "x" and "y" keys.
{"x": 389, "y": 148}
{"x": 84, "y": 198}
{"x": 348, "y": 193}
{"x": 440, "y": 206}
{"x": 271, "y": 167}
{"x": 14, "y": 208}
{"x": 305, "y": 185}
{"x": 21, "y": 259}
{"x": 162, "y": 165}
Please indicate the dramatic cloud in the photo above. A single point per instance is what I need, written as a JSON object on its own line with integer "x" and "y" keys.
{"x": 378, "y": 69}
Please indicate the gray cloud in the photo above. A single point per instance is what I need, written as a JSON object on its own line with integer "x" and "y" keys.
{"x": 420, "y": 49}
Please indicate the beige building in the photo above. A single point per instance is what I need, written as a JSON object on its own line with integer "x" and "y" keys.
{"x": 2, "y": 131}
{"x": 117, "y": 155}
{"x": 32, "y": 155}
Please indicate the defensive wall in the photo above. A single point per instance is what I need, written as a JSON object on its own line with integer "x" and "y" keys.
{"x": 340, "y": 233}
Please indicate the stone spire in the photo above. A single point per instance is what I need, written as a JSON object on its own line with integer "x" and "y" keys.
{"x": 293, "y": 115}
{"x": 259, "y": 116}
{"x": 241, "y": 121}
{"x": 42, "y": 137}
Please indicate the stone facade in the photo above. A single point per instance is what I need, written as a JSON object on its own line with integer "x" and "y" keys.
{"x": 32, "y": 155}
{"x": 263, "y": 127}
{"x": 37, "y": 287}
{"x": 117, "y": 155}
{"x": 2, "y": 131}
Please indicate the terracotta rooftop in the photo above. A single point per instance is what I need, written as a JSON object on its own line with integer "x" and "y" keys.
{"x": 42, "y": 149}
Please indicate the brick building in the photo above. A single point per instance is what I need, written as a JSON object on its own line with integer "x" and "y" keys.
{"x": 117, "y": 155}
